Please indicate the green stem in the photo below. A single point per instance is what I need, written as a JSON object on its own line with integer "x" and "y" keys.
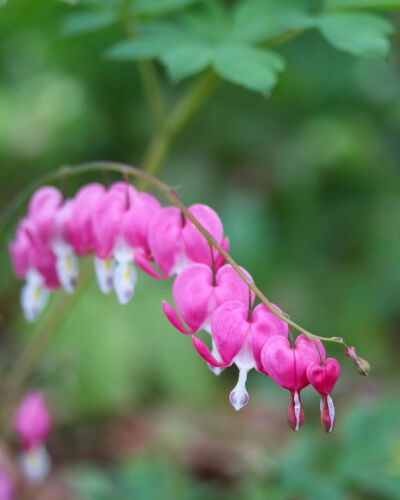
{"x": 173, "y": 197}
{"x": 42, "y": 335}
{"x": 148, "y": 75}
{"x": 184, "y": 110}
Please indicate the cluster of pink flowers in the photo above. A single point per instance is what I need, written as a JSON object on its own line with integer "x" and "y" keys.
{"x": 120, "y": 227}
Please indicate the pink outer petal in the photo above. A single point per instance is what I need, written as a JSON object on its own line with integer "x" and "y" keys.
{"x": 145, "y": 265}
{"x": 137, "y": 221}
{"x": 32, "y": 420}
{"x": 109, "y": 216}
{"x": 80, "y": 224}
{"x": 230, "y": 286}
{"x": 264, "y": 325}
{"x": 229, "y": 328}
{"x": 192, "y": 291}
{"x": 205, "y": 353}
{"x": 174, "y": 319}
{"x": 287, "y": 366}
{"x": 21, "y": 251}
{"x": 323, "y": 378}
{"x": 196, "y": 246}
{"x": 42, "y": 211}
{"x": 165, "y": 238}
{"x": 45, "y": 263}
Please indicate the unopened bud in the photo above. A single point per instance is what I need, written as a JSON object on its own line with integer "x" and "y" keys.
{"x": 362, "y": 365}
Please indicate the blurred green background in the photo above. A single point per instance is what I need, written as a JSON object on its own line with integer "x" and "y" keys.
{"x": 307, "y": 183}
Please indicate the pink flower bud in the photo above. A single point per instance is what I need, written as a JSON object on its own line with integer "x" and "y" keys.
{"x": 32, "y": 420}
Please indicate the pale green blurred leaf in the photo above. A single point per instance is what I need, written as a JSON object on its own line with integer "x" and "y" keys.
{"x": 84, "y": 22}
{"x": 253, "y": 68}
{"x": 363, "y": 4}
{"x": 359, "y": 34}
{"x": 187, "y": 60}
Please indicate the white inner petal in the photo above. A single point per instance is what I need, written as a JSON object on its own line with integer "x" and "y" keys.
{"x": 35, "y": 464}
{"x": 66, "y": 265}
{"x": 34, "y": 295}
{"x": 125, "y": 277}
{"x": 331, "y": 409}
{"x": 214, "y": 351}
{"x": 297, "y": 409}
{"x": 105, "y": 273}
{"x": 239, "y": 396}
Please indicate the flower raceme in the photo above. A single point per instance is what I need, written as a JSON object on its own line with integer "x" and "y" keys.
{"x": 121, "y": 227}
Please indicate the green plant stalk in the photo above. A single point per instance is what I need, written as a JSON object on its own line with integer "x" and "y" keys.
{"x": 171, "y": 194}
{"x": 42, "y": 334}
{"x": 183, "y": 112}
{"x": 148, "y": 75}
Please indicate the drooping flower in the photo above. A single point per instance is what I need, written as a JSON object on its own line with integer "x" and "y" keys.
{"x": 81, "y": 231}
{"x": 121, "y": 223}
{"x": 32, "y": 422}
{"x": 49, "y": 215}
{"x": 323, "y": 377}
{"x": 35, "y": 263}
{"x": 287, "y": 366}
{"x": 175, "y": 242}
{"x": 239, "y": 338}
{"x": 7, "y": 487}
{"x": 198, "y": 291}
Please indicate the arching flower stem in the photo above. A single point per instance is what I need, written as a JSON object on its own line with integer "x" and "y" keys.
{"x": 171, "y": 194}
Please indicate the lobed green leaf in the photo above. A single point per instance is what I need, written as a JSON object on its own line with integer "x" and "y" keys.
{"x": 360, "y": 34}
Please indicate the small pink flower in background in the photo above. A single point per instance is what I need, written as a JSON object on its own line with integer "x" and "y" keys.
{"x": 121, "y": 223}
{"x": 287, "y": 366}
{"x": 239, "y": 338}
{"x": 175, "y": 242}
{"x": 198, "y": 294}
{"x": 323, "y": 378}
{"x": 7, "y": 487}
{"x": 32, "y": 422}
{"x": 35, "y": 263}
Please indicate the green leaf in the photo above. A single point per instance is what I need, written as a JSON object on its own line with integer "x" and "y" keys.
{"x": 187, "y": 60}
{"x": 155, "y": 40}
{"x": 258, "y": 20}
{"x": 253, "y": 68}
{"x": 359, "y": 34}
{"x": 363, "y": 4}
{"x": 85, "y": 22}
{"x": 158, "y": 7}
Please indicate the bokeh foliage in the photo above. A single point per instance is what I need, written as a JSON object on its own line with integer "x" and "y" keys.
{"x": 308, "y": 187}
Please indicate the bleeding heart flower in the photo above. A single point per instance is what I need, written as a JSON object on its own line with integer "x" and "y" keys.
{"x": 198, "y": 293}
{"x": 175, "y": 242}
{"x": 239, "y": 338}
{"x": 80, "y": 224}
{"x": 35, "y": 263}
{"x": 323, "y": 378}
{"x": 49, "y": 215}
{"x": 287, "y": 366}
{"x": 121, "y": 223}
{"x": 32, "y": 422}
